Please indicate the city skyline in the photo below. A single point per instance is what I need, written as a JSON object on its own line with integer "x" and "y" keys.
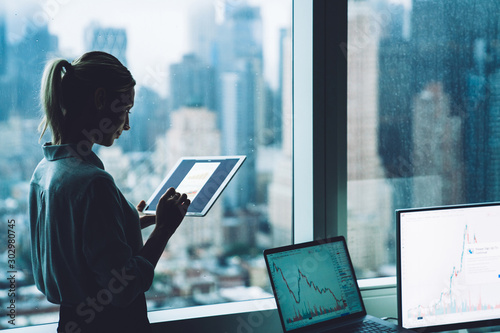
{"x": 216, "y": 261}
{"x": 166, "y": 37}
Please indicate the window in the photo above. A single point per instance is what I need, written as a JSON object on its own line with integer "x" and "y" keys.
{"x": 422, "y": 115}
{"x": 214, "y": 77}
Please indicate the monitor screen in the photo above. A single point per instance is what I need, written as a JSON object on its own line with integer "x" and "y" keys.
{"x": 313, "y": 282}
{"x": 449, "y": 267}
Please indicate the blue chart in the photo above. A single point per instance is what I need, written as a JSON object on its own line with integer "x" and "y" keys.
{"x": 310, "y": 286}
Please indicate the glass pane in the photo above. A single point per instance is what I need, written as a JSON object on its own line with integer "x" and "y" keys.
{"x": 422, "y": 109}
{"x": 213, "y": 78}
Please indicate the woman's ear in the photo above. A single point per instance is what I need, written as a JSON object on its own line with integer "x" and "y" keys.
{"x": 100, "y": 98}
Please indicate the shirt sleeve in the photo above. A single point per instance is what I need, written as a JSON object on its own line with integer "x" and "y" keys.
{"x": 121, "y": 274}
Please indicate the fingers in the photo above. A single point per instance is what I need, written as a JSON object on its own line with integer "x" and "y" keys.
{"x": 182, "y": 199}
{"x": 167, "y": 195}
{"x": 171, "y": 210}
{"x": 140, "y": 207}
{"x": 170, "y": 192}
{"x": 176, "y": 197}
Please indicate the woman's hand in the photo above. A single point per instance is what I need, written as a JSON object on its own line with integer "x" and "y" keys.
{"x": 171, "y": 210}
{"x": 145, "y": 220}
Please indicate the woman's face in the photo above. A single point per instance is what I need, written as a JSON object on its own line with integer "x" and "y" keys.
{"x": 118, "y": 119}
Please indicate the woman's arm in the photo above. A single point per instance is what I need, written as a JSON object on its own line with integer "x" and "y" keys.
{"x": 106, "y": 248}
{"x": 170, "y": 212}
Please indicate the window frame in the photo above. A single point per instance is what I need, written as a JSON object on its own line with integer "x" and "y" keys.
{"x": 320, "y": 134}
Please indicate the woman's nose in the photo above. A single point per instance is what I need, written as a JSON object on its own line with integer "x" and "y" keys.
{"x": 126, "y": 127}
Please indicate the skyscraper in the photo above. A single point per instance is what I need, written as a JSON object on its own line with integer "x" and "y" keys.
{"x": 106, "y": 39}
{"x": 482, "y": 103}
{"x": 394, "y": 103}
{"x": 192, "y": 83}
{"x": 29, "y": 57}
{"x": 437, "y": 149}
{"x": 241, "y": 95}
{"x": 367, "y": 189}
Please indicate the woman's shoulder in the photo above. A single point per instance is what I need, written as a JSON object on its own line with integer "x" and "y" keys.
{"x": 75, "y": 173}
{"x": 89, "y": 173}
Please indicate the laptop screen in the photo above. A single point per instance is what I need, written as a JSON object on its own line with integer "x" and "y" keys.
{"x": 449, "y": 266}
{"x": 313, "y": 282}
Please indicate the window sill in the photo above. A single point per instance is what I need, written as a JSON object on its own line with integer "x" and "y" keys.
{"x": 214, "y": 310}
{"x": 378, "y": 283}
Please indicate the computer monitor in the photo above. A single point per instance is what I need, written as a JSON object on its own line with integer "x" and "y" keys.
{"x": 449, "y": 267}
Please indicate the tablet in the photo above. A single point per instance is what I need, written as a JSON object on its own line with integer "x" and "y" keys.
{"x": 202, "y": 179}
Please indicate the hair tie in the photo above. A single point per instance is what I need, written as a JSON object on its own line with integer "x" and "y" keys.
{"x": 69, "y": 67}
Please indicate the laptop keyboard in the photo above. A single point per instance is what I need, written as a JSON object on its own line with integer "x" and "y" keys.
{"x": 368, "y": 327}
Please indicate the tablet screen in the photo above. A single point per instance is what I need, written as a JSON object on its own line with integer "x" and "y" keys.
{"x": 201, "y": 178}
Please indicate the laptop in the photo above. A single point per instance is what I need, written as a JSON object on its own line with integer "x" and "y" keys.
{"x": 316, "y": 290}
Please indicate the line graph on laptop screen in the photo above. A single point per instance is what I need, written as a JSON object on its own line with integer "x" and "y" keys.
{"x": 450, "y": 266}
{"x": 310, "y": 287}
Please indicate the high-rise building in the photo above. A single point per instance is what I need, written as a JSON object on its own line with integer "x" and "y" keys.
{"x": 106, "y": 39}
{"x": 192, "y": 83}
{"x": 437, "y": 149}
{"x": 28, "y": 58}
{"x": 369, "y": 201}
{"x": 480, "y": 121}
{"x": 241, "y": 95}
{"x": 202, "y": 33}
{"x": 394, "y": 100}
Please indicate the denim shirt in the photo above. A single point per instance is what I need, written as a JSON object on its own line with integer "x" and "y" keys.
{"x": 85, "y": 236}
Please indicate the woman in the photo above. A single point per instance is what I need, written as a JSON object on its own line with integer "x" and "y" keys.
{"x": 87, "y": 249}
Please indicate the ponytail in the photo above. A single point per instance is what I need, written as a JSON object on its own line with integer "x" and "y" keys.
{"x": 66, "y": 88}
{"x": 51, "y": 98}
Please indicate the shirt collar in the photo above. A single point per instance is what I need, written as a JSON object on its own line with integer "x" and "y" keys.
{"x": 56, "y": 152}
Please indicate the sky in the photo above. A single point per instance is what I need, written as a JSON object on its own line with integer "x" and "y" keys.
{"x": 157, "y": 30}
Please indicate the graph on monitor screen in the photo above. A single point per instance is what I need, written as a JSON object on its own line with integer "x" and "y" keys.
{"x": 450, "y": 266}
{"x": 313, "y": 299}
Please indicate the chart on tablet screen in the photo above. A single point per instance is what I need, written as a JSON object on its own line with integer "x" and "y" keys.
{"x": 196, "y": 178}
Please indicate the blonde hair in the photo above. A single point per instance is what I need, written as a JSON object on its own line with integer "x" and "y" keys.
{"x": 67, "y": 86}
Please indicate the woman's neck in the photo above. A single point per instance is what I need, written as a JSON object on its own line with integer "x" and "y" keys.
{"x": 78, "y": 138}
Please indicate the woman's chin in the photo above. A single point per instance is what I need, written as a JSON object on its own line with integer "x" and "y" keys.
{"x": 108, "y": 142}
